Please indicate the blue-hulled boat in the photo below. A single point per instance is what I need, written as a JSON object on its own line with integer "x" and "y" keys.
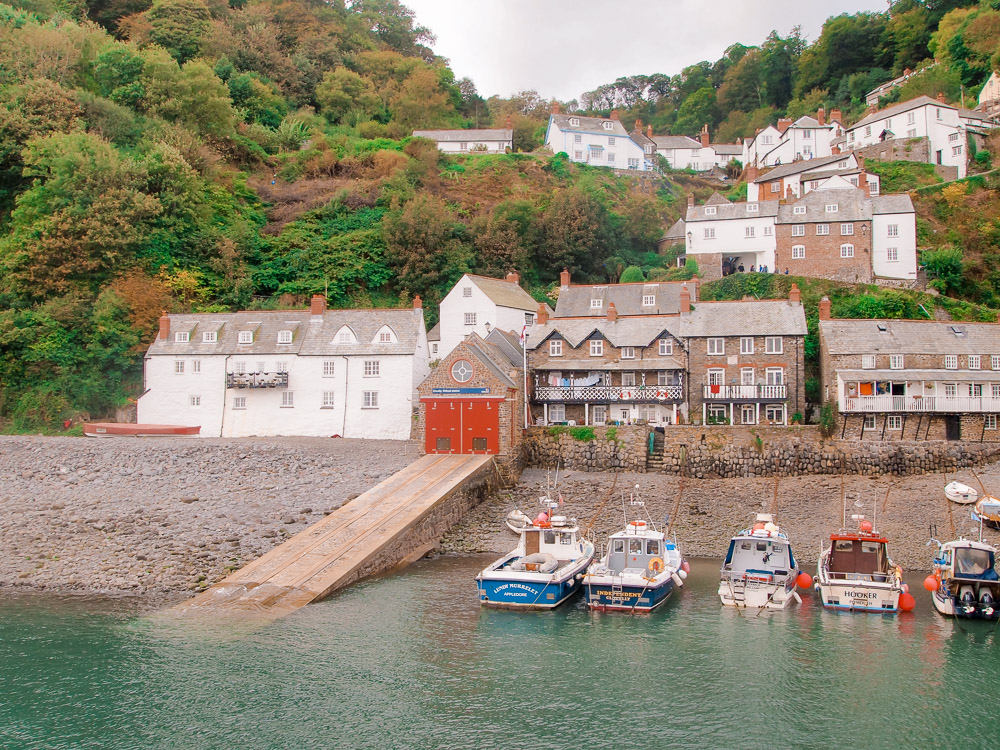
{"x": 543, "y": 571}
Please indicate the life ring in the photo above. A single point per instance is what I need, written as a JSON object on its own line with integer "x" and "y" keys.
{"x": 656, "y": 565}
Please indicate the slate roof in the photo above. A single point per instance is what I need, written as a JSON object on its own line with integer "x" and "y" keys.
{"x": 492, "y": 358}
{"x": 589, "y": 125}
{"x": 892, "y": 203}
{"x": 676, "y": 231}
{"x": 504, "y": 293}
{"x": 732, "y": 149}
{"x": 852, "y": 205}
{"x": 638, "y": 331}
{"x": 507, "y": 343}
{"x": 744, "y": 318}
{"x": 435, "y": 333}
{"x": 465, "y": 135}
{"x": 898, "y": 109}
{"x": 733, "y": 211}
{"x": 641, "y": 138}
{"x": 311, "y": 335}
{"x": 716, "y": 199}
{"x": 668, "y": 142}
{"x": 954, "y": 375}
{"x": 807, "y": 165}
{"x": 908, "y": 337}
{"x": 574, "y": 302}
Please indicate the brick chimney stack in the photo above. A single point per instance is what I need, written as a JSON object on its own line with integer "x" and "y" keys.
{"x": 638, "y": 126}
{"x": 835, "y": 150}
{"x": 317, "y": 306}
{"x": 704, "y": 136}
{"x": 788, "y": 193}
{"x": 556, "y": 109}
{"x": 685, "y": 299}
{"x": 418, "y": 304}
{"x": 836, "y": 116}
{"x": 784, "y": 123}
{"x": 940, "y": 97}
{"x": 164, "y": 326}
{"x": 750, "y": 174}
{"x": 513, "y": 277}
{"x": 821, "y": 116}
{"x": 794, "y": 295}
{"x": 508, "y": 124}
{"x": 614, "y": 115}
{"x": 564, "y": 279}
{"x": 824, "y": 308}
{"x": 542, "y": 316}
{"x": 612, "y": 312}
{"x": 649, "y": 131}
{"x": 690, "y": 200}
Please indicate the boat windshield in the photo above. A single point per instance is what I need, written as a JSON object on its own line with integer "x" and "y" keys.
{"x": 858, "y": 556}
{"x": 973, "y": 563}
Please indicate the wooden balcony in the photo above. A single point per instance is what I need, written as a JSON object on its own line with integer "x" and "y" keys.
{"x": 605, "y": 394}
{"x": 920, "y": 404}
{"x": 257, "y": 380}
{"x": 746, "y": 393}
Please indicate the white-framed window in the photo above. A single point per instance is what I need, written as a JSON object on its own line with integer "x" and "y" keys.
{"x": 470, "y": 318}
{"x": 911, "y": 118}
{"x": 896, "y": 361}
{"x": 716, "y": 376}
{"x": 598, "y": 413}
{"x": 578, "y": 155}
{"x": 775, "y": 375}
{"x": 990, "y": 421}
{"x": 775, "y": 413}
{"x": 466, "y": 291}
{"x": 596, "y": 303}
{"x": 281, "y": 367}
{"x": 194, "y": 400}
{"x": 752, "y": 208}
{"x": 239, "y": 367}
{"x": 975, "y": 390}
{"x": 284, "y": 337}
{"x": 463, "y": 146}
{"x": 895, "y": 422}
{"x": 287, "y": 399}
{"x": 209, "y": 337}
{"x": 768, "y": 230}
{"x": 344, "y": 337}
{"x": 667, "y": 347}
{"x": 328, "y": 368}
{"x": 596, "y": 347}
{"x": 847, "y": 250}
{"x": 557, "y": 412}
{"x": 798, "y": 230}
{"x": 767, "y": 140}
{"x": 611, "y": 140}
{"x": 832, "y": 208}
{"x": 633, "y": 163}
{"x": 709, "y": 233}
{"x": 384, "y": 337}
{"x": 892, "y": 254}
{"x": 369, "y": 400}
{"x": 807, "y": 134}
{"x": 868, "y": 130}
{"x": 867, "y": 361}
{"x": 748, "y": 233}
{"x": 773, "y": 345}
{"x": 710, "y": 211}
{"x": 950, "y": 390}
{"x": 246, "y": 337}
{"x": 574, "y": 122}
{"x": 372, "y": 368}
{"x": 951, "y": 361}
{"x": 953, "y": 137}
{"x": 577, "y": 138}
{"x": 327, "y": 402}
{"x": 239, "y": 402}
{"x": 611, "y": 156}
{"x": 555, "y": 347}
{"x": 798, "y": 252}
{"x": 179, "y": 367}
{"x": 628, "y": 379}
{"x": 873, "y": 187}
{"x": 974, "y": 362}
{"x": 798, "y": 210}
{"x": 995, "y": 362}
{"x": 529, "y": 319}
{"x": 747, "y": 376}
{"x": 648, "y": 300}
{"x": 748, "y": 414}
{"x": 663, "y": 377}
{"x": 775, "y": 187}
{"x": 846, "y": 230}
{"x": 869, "y": 421}
{"x": 911, "y": 133}
{"x": 628, "y": 352}
{"x": 608, "y": 125}
{"x": 182, "y": 337}
{"x": 956, "y": 150}
{"x": 892, "y": 230}
{"x": 260, "y": 367}
{"x": 746, "y": 345}
{"x": 822, "y": 229}
{"x": 716, "y": 346}
{"x": 995, "y": 390}
{"x": 195, "y": 365}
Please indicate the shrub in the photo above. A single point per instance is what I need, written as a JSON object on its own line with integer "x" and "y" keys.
{"x": 583, "y": 434}
{"x": 632, "y": 274}
{"x": 827, "y": 419}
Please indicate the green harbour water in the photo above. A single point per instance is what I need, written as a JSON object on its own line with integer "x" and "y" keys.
{"x": 411, "y": 661}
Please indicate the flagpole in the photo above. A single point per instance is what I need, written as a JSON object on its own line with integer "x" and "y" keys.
{"x": 524, "y": 352}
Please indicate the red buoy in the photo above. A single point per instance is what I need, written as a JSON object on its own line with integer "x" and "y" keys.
{"x": 931, "y": 583}
{"x": 907, "y": 602}
{"x": 804, "y": 580}
{"x": 685, "y": 567}
{"x": 866, "y": 526}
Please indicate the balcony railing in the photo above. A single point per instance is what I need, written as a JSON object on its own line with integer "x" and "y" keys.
{"x": 663, "y": 394}
{"x": 257, "y": 380}
{"x": 921, "y": 404}
{"x": 745, "y": 392}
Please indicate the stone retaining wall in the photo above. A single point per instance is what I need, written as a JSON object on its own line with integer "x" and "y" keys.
{"x": 750, "y": 452}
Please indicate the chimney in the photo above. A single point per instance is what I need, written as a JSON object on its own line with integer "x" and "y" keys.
{"x": 685, "y": 299}
{"x": 164, "y": 326}
{"x": 836, "y": 116}
{"x": 317, "y": 306}
{"x": 907, "y": 72}
{"x": 940, "y": 97}
{"x": 418, "y": 304}
{"x": 865, "y": 185}
{"x": 612, "y": 312}
{"x": 824, "y": 308}
{"x": 513, "y": 277}
{"x": 788, "y": 193}
{"x": 835, "y": 150}
{"x": 542, "y": 316}
{"x": 638, "y": 126}
{"x": 690, "y": 200}
{"x": 564, "y": 279}
{"x": 784, "y": 123}
{"x": 556, "y": 109}
{"x": 821, "y": 116}
{"x": 750, "y": 174}
{"x": 614, "y": 115}
{"x": 649, "y": 131}
{"x": 508, "y": 124}
{"x": 794, "y": 295}
{"x": 704, "y": 136}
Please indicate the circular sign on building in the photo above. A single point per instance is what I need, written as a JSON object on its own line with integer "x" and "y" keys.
{"x": 461, "y": 371}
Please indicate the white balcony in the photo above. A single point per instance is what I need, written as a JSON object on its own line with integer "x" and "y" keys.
{"x": 664, "y": 394}
{"x": 745, "y": 393}
{"x": 920, "y": 404}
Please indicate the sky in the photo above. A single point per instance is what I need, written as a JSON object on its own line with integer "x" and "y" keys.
{"x": 562, "y": 48}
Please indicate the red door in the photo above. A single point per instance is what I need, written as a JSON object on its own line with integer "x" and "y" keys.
{"x": 462, "y": 425}
{"x": 480, "y": 423}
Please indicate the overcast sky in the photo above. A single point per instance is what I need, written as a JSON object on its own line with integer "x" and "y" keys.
{"x": 562, "y": 48}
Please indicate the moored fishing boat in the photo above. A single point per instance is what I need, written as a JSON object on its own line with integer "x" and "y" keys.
{"x": 760, "y": 570}
{"x": 960, "y": 493}
{"x": 988, "y": 511}
{"x": 120, "y": 429}
{"x": 517, "y": 521}
{"x": 965, "y": 582}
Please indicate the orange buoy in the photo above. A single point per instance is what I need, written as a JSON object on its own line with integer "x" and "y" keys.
{"x": 804, "y": 580}
{"x": 866, "y": 526}
{"x": 907, "y": 602}
{"x": 686, "y": 567}
{"x": 931, "y": 583}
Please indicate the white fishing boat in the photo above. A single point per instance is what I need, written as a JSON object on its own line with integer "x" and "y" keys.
{"x": 965, "y": 583}
{"x": 760, "y": 570}
{"x": 960, "y": 493}
{"x": 517, "y": 521}
{"x": 987, "y": 511}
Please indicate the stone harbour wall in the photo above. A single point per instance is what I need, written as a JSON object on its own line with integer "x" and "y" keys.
{"x": 622, "y": 448}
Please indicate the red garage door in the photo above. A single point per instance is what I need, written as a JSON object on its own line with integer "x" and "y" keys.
{"x": 462, "y": 425}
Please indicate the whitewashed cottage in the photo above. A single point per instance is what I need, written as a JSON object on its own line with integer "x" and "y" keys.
{"x": 597, "y": 141}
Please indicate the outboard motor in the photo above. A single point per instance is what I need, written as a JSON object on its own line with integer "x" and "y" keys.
{"x": 985, "y": 597}
{"x": 967, "y": 595}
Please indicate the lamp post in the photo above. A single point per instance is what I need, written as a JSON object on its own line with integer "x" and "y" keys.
{"x": 524, "y": 352}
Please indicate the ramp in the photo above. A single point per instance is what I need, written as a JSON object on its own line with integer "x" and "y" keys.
{"x": 355, "y": 540}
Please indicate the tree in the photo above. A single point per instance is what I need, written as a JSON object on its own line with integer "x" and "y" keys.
{"x": 631, "y": 275}
{"x": 498, "y": 245}
{"x": 393, "y": 24}
{"x": 743, "y": 87}
{"x": 343, "y": 91}
{"x": 778, "y": 60}
{"x": 697, "y": 110}
{"x": 577, "y": 234}
{"x": 178, "y": 26}
{"x": 118, "y": 70}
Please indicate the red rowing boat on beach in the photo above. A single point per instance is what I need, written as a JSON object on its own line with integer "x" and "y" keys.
{"x": 119, "y": 429}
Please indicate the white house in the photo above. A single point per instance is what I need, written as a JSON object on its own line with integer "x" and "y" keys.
{"x": 598, "y": 141}
{"x": 470, "y": 141}
{"x": 480, "y": 304}
{"x": 989, "y": 96}
{"x": 788, "y": 141}
{"x": 726, "y": 235}
{"x": 802, "y": 176}
{"x": 314, "y": 372}
{"x": 700, "y": 155}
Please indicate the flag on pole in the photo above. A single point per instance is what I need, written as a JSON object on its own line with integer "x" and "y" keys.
{"x": 524, "y": 330}
{"x": 560, "y": 499}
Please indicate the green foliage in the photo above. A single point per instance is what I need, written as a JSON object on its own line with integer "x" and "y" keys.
{"x": 583, "y": 434}
{"x": 611, "y": 434}
{"x": 178, "y": 26}
{"x": 827, "y": 419}
{"x": 945, "y": 269}
{"x": 902, "y": 176}
{"x": 556, "y": 430}
{"x": 632, "y": 274}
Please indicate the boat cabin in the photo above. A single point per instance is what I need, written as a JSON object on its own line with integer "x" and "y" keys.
{"x": 858, "y": 559}
{"x": 636, "y": 548}
{"x": 557, "y": 538}
{"x": 970, "y": 563}
{"x": 759, "y": 554}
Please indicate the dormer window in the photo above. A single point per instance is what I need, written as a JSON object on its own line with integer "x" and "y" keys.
{"x": 752, "y": 208}
{"x": 246, "y": 337}
{"x": 832, "y": 208}
{"x": 710, "y": 211}
{"x": 596, "y": 304}
{"x": 345, "y": 336}
{"x": 182, "y": 337}
{"x": 574, "y": 122}
{"x": 385, "y": 338}
{"x": 798, "y": 209}
{"x": 385, "y": 335}
{"x": 608, "y": 125}
{"x": 648, "y": 300}
{"x": 284, "y": 337}
{"x": 210, "y": 337}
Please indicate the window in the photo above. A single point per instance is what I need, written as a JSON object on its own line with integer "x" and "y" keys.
{"x": 746, "y": 345}
{"x": 775, "y": 413}
{"x": 847, "y": 251}
{"x": 578, "y": 155}
{"x": 950, "y": 390}
{"x": 748, "y": 414}
{"x": 893, "y": 230}
{"x": 611, "y": 140}
{"x": 369, "y": 400}
{"x": 611, "y": 156}
{"x": 747, "y": 376}
{"x": 748, "y": 234}
{"x": 663, "y": 377}
{"x": 246, "y": 337}
{"x": 974, "y": 361}
{"x": 895, "y": 422}
{"x": 260, "y": 367}
{"x": 798, "y": 210}
{"x": 344, "y": 337}
{"x": 287, "y": 399}
{"x": 328, "y": 368}
{"x": 892, "y": 254}
{"x": 955, "y": 151}
{"x": 384, "y": 337}
{"x": 210, "y": 337}
{"x": 832, "y": 208}
{"x": 716, "y": 376}
{"x": 975, "y": 390}
{"x": 873, "y": 188}
{"x": 822, "y": 229}
{"x": 182, "y": 337}
{"x": 773, "y": 345}
{"x": 990, "y": 421}
{"x": 775, "y": 375}
{"x": 470, "y": 319}
{"x": 710, "y": 211}
{"x": 798, "y": 252}
{"x": 869, "y": 421}
{"x": 463, "y": 146}
{"x": 648, "y": 300}
{"x": 608, "y": 125}
{"x": 557, "y": 412}
{"x": 194, "y": 400}
{"x": 466, "y": 291}
{"x": 327, "y": 402}
{"x": 239, "y": 367}
{"x": 598, "y": 413}
{"x": 767, "y": 140}
{"x": 179, "y": 367}
{"x": 633, "y": 163}
{"x": 284, "y": 337}
{"x": 596, "y": 304}
{"x": 628, "y": 352}
{"x": 709, "y": 233}
{"x": 868, "y": 130}
{"x": 372, "y": 369}
{"x": 911, "y": 118}
{"x": 628, "y": 379}
{"x": 574, "y": 122}
{"x": 596, "y": 348}
{"x": 577, "y": 138}
{"x": 995, "y": 390}
{"x": 716, "y": 346}
{"x": 807, "y": 134}
{"x": 775, "y": 187}
{"x": 752, "y": 208}
{"x": 895, "y": 361}
{"x": 951, "y": 361}
{"x": 461, "y": 371}
{"x": 911, "y": 133}
{"x": 555, "y": 348}
{"x": 768, "y": 231}
{"x": 667, "y": 347}
{"x": 846, "y": 230}
{"x": 239, "y": 402}
{"x": 995, "y": 362}
{"x": 798, "y": 230}
{"x": 867, "y": 361}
